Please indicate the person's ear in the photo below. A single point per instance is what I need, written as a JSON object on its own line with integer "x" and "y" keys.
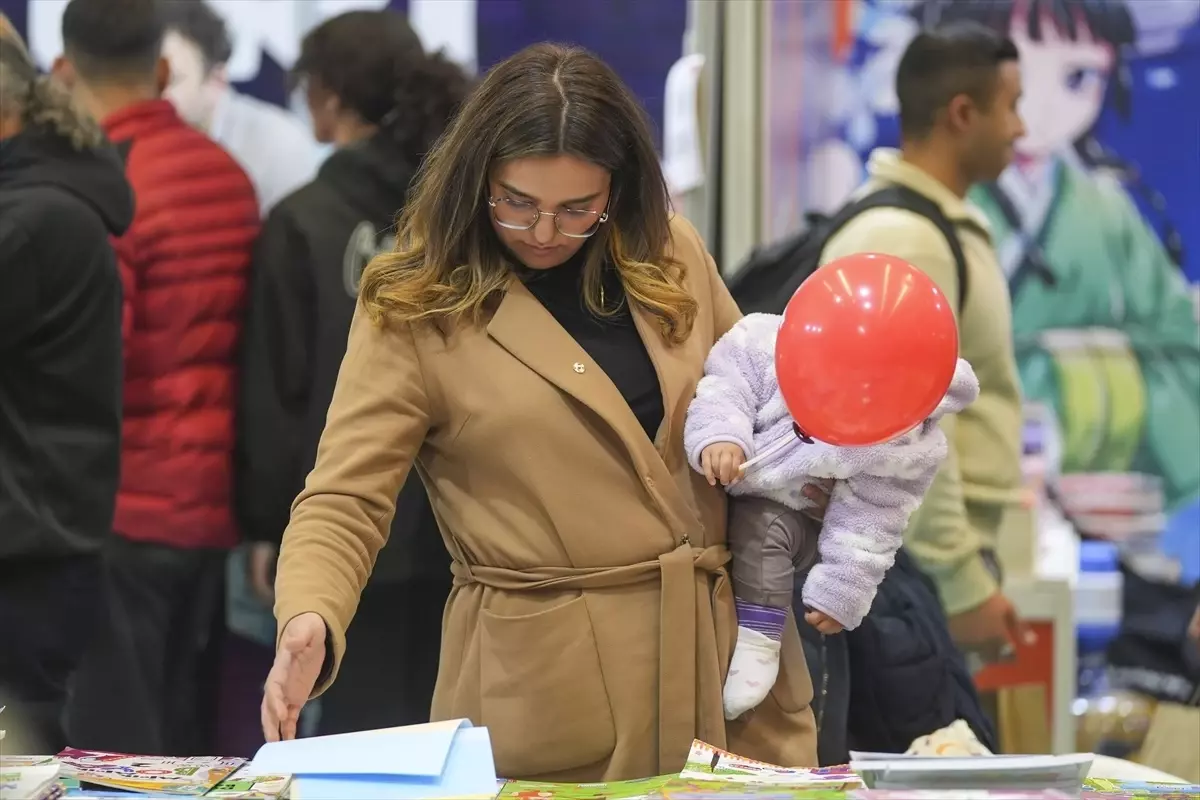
{"x": 960, "y": 113}
{"x": 63, "y": 71}
{"x": 162, "y": 74}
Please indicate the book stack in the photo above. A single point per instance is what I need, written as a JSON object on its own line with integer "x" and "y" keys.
{"x": 29, "y": 778}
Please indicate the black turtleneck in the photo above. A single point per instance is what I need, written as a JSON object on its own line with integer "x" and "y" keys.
{"x": 612, "y": 342}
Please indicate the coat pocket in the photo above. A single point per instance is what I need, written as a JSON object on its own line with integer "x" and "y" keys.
{"x": 793, "y": 691}
{"x": 543, "y": 696}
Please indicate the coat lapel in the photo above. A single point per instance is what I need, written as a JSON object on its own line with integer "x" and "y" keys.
{"x": 667, "y": 364}
{"x": 523, "y": 327}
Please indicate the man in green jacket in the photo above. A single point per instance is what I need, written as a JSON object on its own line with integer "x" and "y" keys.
{"x": 958, "y": 90}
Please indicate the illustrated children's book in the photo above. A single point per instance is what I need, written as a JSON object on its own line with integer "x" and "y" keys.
{"x": 245, "y": 784}
{"x": 706, "y": 763}
{"x": 643, "y": 789}
{"x": 193, "y": 776}
{"x": 30, "y": 782}
{"x": 1105, "y": 787}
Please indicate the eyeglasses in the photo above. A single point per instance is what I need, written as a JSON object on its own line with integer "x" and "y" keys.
{"x": 518, "y": 215}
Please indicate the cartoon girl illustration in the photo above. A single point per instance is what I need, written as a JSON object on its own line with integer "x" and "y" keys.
{"x": 1105, "y": 325}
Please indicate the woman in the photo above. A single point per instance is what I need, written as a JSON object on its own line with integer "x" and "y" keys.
{"x": 532, "y": 345}
{"x": 377, "y": 97}
{"x": 62, "y": 194}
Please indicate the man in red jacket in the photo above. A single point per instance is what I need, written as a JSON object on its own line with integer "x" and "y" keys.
{"x": 185, "y": 264}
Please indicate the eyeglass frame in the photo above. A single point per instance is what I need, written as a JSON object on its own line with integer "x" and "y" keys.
{"x": 601, "y": 218}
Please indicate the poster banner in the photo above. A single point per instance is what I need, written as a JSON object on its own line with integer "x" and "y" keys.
{"x": 1096, "y": 223}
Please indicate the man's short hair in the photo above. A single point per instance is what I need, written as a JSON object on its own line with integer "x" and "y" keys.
{"x": 940, "y": 64}
{"x": 196, "y": 21}
{"x": 113, "y": 39}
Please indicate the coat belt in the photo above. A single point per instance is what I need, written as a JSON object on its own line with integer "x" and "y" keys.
{"x": 684, "y": 573}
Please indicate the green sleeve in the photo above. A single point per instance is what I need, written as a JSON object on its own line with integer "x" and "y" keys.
{"x": 1159, "y": 318}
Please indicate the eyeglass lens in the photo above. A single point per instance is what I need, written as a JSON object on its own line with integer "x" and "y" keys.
{"x": 522, "y": 216}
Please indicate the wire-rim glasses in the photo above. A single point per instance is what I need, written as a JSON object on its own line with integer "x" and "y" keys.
{"x": 518, "y": 215}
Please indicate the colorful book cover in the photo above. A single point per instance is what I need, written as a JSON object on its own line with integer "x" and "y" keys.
{"x": 1108, "y": 788}
{"x": 681, "y": 789}
{"x": 192, "y": 776}
{"x": 961, "y": 794}
{"x": 643, "y": 789}
{"x": 707, "y": 763}
{"x": 37, "y": 782}
{"x": 247, "y": 785}
{"x": 17, "y": 762}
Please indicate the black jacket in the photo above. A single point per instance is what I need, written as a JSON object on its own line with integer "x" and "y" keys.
{"x": 60, "y": 344}
{"x": 895, "y": 678}
{"x": 310, "y": 255}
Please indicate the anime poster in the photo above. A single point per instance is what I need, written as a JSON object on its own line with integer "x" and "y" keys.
{"x": 1096, "y": 224}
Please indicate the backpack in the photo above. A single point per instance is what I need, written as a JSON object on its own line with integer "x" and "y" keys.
{"x": 772, "y": 273}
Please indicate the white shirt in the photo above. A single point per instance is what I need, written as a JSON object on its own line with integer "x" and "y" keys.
{"x": 272, "y": 145}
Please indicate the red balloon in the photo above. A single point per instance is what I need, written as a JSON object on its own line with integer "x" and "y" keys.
{"x": 866, "y": 351}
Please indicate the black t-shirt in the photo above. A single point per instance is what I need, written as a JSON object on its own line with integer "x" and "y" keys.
{"x": 612, "y": 342}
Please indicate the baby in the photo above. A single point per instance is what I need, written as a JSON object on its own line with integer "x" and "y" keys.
{"x": 738, "y": 411}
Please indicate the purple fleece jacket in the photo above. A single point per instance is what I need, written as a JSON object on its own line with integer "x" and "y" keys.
{"x": 877, "y": 489}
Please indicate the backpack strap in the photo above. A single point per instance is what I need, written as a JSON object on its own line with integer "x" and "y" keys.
{"x": 896, "y": 196}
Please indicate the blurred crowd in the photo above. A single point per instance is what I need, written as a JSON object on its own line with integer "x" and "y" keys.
{"x": 172, "y": 334}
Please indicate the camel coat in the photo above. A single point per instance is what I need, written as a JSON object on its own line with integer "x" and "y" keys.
{"x": 591, "y": 623}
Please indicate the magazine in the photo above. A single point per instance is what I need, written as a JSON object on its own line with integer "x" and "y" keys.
{"x": 707, "y": 764}
{"x": 248, "y": 785}
{"x": 1106, "y": 787}
{"x": 643, "y": 789}
{"x": 31, "y": 782}
{"x": 164, "y": 775}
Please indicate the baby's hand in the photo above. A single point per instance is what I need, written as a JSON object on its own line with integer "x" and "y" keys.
{"x": 721, "y": 462}
{"x": 823, "y": 622}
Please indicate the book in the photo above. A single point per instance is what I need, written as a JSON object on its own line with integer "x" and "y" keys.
{"x": 31, "y": 782}
{"x": 246, "y": 784}
{"x": 643, "y": 789}
{"x": 1064, "y": 773}
{"x": 160, "y": 775}
{"x": 1109, "y": 788}
{"x": 707, "y": 764}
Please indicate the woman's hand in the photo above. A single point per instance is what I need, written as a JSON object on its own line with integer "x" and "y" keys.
{"x": 298, "y": 662}
{"x": 818, "y": 492}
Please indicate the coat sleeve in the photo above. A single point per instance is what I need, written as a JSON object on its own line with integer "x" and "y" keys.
{"x": 377, "y": 422}
{"x": 731, "y": 392}
{"x": 277, "y": 357}
{"x": 868, "y": 512}
{"x": 940, "y": 535}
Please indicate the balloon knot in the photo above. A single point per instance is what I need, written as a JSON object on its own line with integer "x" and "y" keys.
{"x": 801, "y": 435}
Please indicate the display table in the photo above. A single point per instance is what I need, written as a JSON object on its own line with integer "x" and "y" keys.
{"x": 1047, "y": 605}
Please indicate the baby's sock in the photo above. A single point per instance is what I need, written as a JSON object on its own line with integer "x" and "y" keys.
{"x": 755, "y": 662}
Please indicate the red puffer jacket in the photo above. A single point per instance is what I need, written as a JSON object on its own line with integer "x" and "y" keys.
{"x": 185, "y": 263}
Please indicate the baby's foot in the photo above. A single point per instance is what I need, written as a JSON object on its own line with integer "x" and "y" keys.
{"x": 752, "y": 672}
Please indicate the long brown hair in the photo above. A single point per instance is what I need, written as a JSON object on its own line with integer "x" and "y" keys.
{"x": 36, "y": 99}
{"x": 546, "y": 100}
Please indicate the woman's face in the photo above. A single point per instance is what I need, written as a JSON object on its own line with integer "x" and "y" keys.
{"x": 577, "y": 190}
{"x": 1065, "y": 83}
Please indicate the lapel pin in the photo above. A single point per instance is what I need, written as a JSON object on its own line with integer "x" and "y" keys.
{"x": 578, "y": 367}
